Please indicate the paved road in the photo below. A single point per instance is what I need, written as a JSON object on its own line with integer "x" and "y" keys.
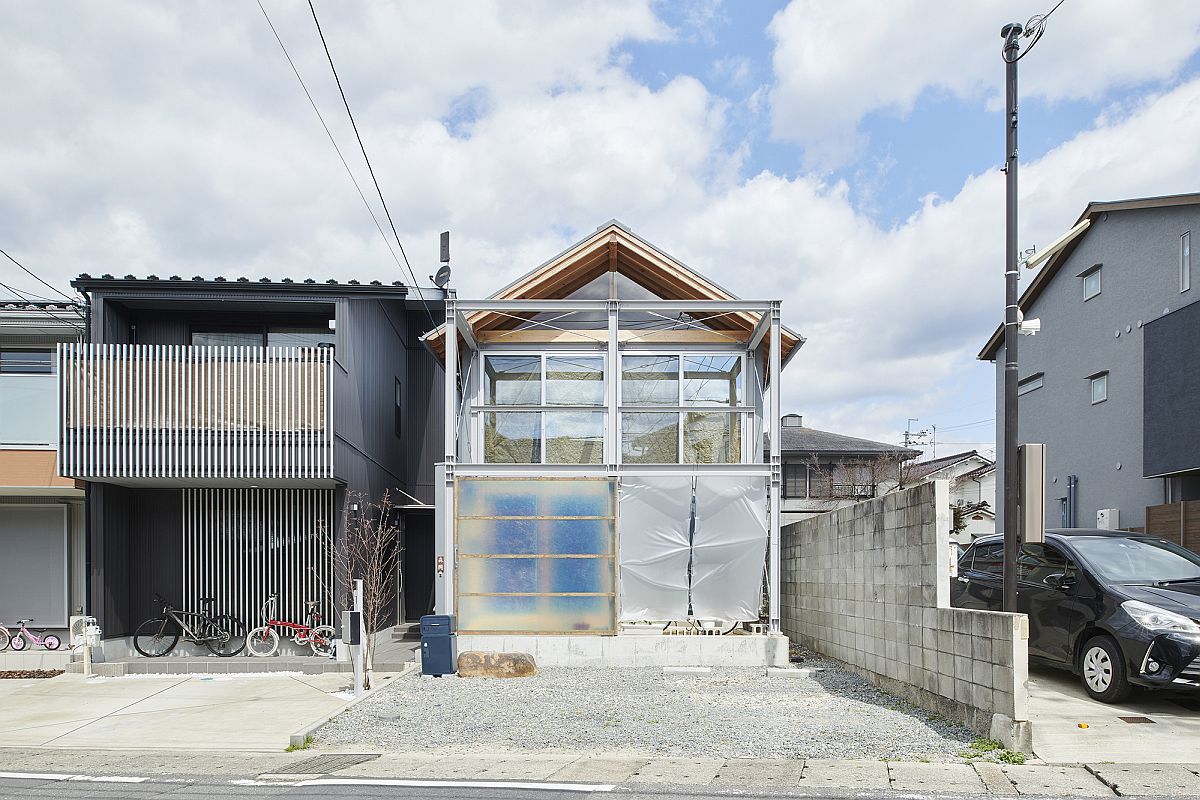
{"x": 19, "y": 789}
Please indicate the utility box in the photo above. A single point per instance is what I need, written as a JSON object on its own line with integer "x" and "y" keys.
{"x": 1032, "y": 461}
{"x": 1108, "y": 519}
{"x": 439, "y": 648}
{"x": 352, "y": 627}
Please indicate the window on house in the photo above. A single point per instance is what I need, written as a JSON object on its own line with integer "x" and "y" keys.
{"x": 1185, "y": 262}
{"x": 299, "y": 337}
{"x": 228, "y": 337}
{"x": 795, "y": 480}
{"x": 710, "y": 386}
{"x": 1027, "y": 385}
{"x": 567, "y": 422}
{"x": 21, "y": 361}
{"x": 398, "y": 421}
{"x": 1091, "y": 282}
{"x": 1099, "y": 384}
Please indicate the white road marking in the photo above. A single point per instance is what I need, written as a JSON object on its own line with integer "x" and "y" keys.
{"x": 420, "y": 784}
{"x": 57, "y": 776}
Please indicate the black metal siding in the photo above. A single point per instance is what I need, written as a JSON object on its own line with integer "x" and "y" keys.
{"x": 1171, "y": 393}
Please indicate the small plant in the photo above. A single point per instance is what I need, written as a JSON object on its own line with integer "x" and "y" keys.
{"x": 308, "y": 742}
{"x": 992, "y": 750}
{"x": 1011, "y": 757}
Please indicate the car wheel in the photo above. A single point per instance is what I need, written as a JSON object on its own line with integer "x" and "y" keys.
{"x": 1102, "y": 670}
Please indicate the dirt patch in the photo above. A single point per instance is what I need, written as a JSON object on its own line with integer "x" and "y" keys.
{"x": 30, "y": 673}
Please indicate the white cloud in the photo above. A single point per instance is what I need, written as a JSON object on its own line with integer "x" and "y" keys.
{"x": 169, "y": 141}
{"x": 835, "y": 63}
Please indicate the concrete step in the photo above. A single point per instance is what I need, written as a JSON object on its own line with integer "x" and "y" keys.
{"x": 408, "y": 632}
{"x": 224, "y": 666}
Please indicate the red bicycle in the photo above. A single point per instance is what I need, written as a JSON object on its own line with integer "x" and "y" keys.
{"x": 263, "y": 641}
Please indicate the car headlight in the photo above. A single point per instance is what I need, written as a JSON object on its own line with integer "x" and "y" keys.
{"x": 1158, "y": 619}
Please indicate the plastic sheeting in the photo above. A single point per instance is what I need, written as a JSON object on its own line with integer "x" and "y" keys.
{"x": 730, "y": 547}
{"x": 653, "y": 547}
{"x": 727, "y": 552}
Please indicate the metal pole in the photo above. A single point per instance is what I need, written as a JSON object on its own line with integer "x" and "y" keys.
{"x": 1012, "y": 509}
{"x": 357, "y": 652}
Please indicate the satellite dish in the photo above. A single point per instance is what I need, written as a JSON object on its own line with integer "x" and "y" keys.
{"x": 442, "y": 278}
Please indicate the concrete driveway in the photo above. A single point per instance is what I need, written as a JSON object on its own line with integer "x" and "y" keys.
{"x": 1058, "y": 704}
{"x": 166, "y": 712}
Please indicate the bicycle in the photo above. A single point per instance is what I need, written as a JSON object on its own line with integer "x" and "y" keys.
{"x": 17, "y": 640}
{"x": 263, "y": 641}
{"x": 224, "y": 635}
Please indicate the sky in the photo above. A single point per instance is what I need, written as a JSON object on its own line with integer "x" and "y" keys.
{"x": 842, "y": 155}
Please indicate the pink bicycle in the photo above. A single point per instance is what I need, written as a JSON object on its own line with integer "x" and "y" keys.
{"x": 18, "y": 642}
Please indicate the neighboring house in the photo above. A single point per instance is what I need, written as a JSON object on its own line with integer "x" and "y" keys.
{"x": 612, "y": 374}
{"x": 42, "y": 563}
{"x": 1110, "y": 384}
{"x": 823, "y": 471}
{"x": 219, "y": 425}
{"x": 972, "y": 480}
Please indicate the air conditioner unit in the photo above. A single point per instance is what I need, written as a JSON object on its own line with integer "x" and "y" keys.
{"x": 1108, "y": 519}
{"x": 75, "y": 637}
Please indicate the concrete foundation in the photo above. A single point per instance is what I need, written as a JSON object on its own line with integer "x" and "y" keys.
{"x": 734, "y": 650}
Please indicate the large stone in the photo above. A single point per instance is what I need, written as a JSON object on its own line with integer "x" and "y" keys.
{"x": 476, "y": 664}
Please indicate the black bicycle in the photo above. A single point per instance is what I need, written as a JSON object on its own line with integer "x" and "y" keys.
{"x": 224, "y": 635}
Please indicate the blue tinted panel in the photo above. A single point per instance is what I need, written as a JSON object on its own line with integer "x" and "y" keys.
{"x": 540, "y": 575}
{"x": 536, "y": 614}
{"x": 534, "y": 536}
{"x": 578, "y": 497}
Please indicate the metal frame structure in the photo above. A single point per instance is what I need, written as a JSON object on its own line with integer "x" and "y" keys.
{"x": 764, "y": 405}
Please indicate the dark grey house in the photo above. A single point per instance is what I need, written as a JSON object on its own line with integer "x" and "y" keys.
{"x": 218, "y": 426}
{"x": 1110, "y": 383}
{"x": 823, "y": 470}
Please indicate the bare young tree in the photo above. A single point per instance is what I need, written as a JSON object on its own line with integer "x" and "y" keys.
{"x": 367, "y": 551}
{"x": 852, "y": 478}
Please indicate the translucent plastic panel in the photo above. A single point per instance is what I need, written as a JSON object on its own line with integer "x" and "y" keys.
{"x": 574, "y": 437}
{"x": 574, "y": 380}
{"x": 712, "y": 380}
{"x": 28, "y": 409}
{"x": 650, "y": 438}
{"x": 712, "y": 438}
{"x": 561, "y": 614}
{"x": 534, "y": 536}
{"x": 513, "y": 380}
{"x": 535, "y": 575}
{"x": 512, "y": 437}
{"x": 576, "y": 497}
{"x": 650, "y": 380}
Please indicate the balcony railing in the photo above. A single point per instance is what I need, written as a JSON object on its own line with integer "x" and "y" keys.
{"x": 172, "y": 411}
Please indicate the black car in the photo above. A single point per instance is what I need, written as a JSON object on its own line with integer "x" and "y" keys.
{"x": 1118, "y": 609}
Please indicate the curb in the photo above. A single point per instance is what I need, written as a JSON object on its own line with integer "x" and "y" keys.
{"x": 298, "y": 738}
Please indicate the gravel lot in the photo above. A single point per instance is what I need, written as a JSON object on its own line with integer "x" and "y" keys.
{"x": 728, "y": 713}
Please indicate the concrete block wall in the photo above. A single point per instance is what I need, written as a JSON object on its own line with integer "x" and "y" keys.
{"x": 637, "y": 650}
{"x": 870, "y": 585}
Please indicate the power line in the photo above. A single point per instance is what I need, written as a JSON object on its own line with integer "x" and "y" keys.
{"x": 35, "y": 277}
{"x": 45, "y": 311}
{"x": 367, "y": 159}
{"x": 349, "y": 172}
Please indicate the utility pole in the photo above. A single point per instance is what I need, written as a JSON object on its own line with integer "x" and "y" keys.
{"x": 1012, "y": 511}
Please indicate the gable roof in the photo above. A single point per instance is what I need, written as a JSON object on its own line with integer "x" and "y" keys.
{"x": 613, "y": 247}
{"x": 923, "y": 468}
{"x": 1043, "y": 278}
{"x": 798, "y": 439}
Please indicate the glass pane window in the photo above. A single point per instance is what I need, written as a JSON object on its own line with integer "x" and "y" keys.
{"x": 712, "y": 438}
{"x": 1100, "y": 388}
{"x": 26, "y": 362}
{"x": 1185, "y": 262}
{"x": 795, "y": 480}
{"x": 650, "y": 380}
{"x": 512, "y": 437}
{"x": 574, "y": 380}
{"x": 574, "y": 437}
{"x": 299, "y": 337}
{"x": 227, "y": 338}
{"x": 513, "y": 380}
{"x": 712, "y": 380}
{"x": 1091, "y": 284}
{"x": 650, "y": 438}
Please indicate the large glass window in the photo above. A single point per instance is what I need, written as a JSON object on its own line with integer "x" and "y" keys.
{"x": 650, "y": 438}
{"x": 668, "y": 434}
{"x": 795, "y": 480}
{"x": 574, "y": 380}
{"x": 513, "y": 380}
{"x": 712, "y": 380}
{"x": 546, "y": 433}
{"x": 299, "y": 337}
{"x": 228, "y": 338}
{"x": 650, "y": 380}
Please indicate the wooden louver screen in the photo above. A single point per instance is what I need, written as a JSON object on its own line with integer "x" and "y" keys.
{"x": 172, "y": 411}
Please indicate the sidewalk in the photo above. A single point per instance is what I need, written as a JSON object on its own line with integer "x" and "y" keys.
{"x": 702, "y": 775}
